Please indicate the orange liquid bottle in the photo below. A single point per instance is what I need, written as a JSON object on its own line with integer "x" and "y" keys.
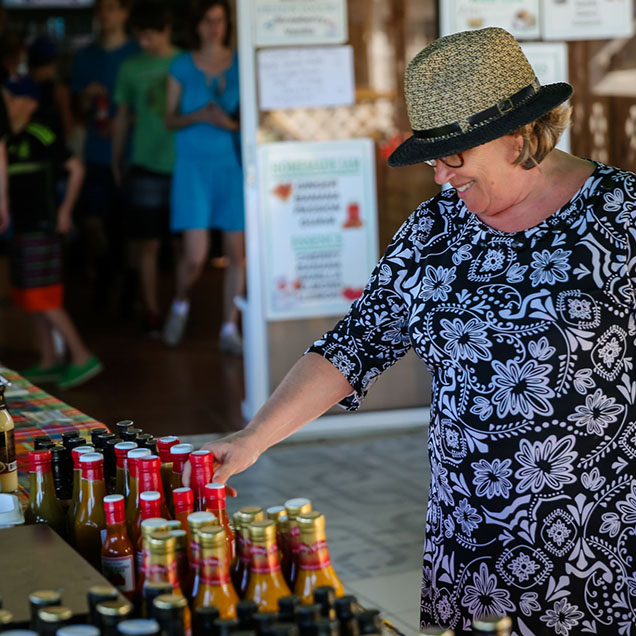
{"x": 118, "y": 557}
{"x": 164, "y": 444}
{"x": 240, "y": 570}
{"x": 215, "y": 587}
{"x": 43, "y": 504}
{"x": 132, "y": 503}
{"x": 295, "y": 507}
{"x": 215, "y": 503}
{"x": 266, "y": 583}
{"x": 202, "y": 473}
{"x": 278, "y": 514}
{"x": 179, "y": 453}
{"x": 122, "y": 486}
{"x": 163, "y": 567}
{"x": 183, "y": 563}
{"x": 90, "y": 522}
{"x": 196, "y": 521}
{"x": 183, "y": 502}
{"x": 315, "y": 569}
{"x": 149, "y": 471}
{"x": 148, "y": 526}
{"x": 71, "y": 513}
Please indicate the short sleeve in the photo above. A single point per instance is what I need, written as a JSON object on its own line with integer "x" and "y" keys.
{"x": 123, "y": 85}
{"x": 374, "y": 334}
{"x": 178, "y": 67}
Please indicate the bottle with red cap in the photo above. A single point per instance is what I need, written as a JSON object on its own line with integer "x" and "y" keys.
{"x": 149, "y": 507}
{"x": 202, "y": 473}
{"x": 121, "y": 468}
{"x": 77, "y": 477}
{"x": 215, "y": 503}
{"x": 118, "y": 564}
{"x": 183, "y": 501}
{"x": 90, "y": 521}
{"x": 164, "y": 444}
{"x": 132, "y": 503}
{"x": 149, "y": 471}
{"x": 43, "y": 505}
{"x": 179, "y": 453}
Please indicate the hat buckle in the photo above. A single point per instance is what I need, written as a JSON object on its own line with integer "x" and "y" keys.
{"x": 505, "y": 106}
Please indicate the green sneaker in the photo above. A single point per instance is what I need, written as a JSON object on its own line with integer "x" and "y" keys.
{"x": 37, "y": 374}
{"x": 76, "y": 374}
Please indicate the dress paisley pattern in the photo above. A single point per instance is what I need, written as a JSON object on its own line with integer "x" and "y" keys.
{"x": 530, "y": 338}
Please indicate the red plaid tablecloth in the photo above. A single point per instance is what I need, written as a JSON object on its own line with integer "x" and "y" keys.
{"x": 35, "y": 412}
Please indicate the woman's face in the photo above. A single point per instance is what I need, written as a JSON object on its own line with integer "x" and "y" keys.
{"x": 489, "y": 182}
{"x": 213, "y": 26}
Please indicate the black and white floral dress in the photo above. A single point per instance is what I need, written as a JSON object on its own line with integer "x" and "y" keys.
{"x": 530, "y": 338}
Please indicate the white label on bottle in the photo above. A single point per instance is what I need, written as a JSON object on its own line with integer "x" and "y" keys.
{"x": 120, "y": 571}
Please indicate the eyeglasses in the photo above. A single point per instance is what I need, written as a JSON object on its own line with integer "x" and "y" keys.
{"x": 452, "y": 161}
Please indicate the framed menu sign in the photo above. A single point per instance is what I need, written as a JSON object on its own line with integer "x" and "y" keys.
{"x": 318, "y": 204}
{"x": 587, "y": 19}
{"x": 519, "y": 17}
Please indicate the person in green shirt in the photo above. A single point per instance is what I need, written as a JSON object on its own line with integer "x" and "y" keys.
{"x": 140, "y": 94}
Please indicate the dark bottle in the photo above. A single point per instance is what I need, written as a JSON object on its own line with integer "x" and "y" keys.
{"x": 224, "y": 626}
{"x": 492, "y": 626}
{"x": 245, "y": 611}
{"x": 47, "y": 445}
{"x": 306, "y": 616}
{"x": 110, "y": 464}
{"x": 204, "y": 618}
{"x": 369, "y": 622}
{"x": 39, "y": 440}
{"x": 69, "y": 435}
{"x": 346, "y": 609}
{"x": 62, "y": 471}
{"x": 170, "y": 614}
{"x": 122, "y": 426}
{"x": 100, "y": 440}
{"x": 139, "y": 627}
{"x": 51, "y": 618}
{"x": 143, "y": 439}
{"x": 325, "y": 596}
{"x": 110, "y": 614}
{"x": 130, "y": 435}
{"x": 264, "y": 620}
{"x": 98, "y": 594}
{"x": 6, "y": 618}
{"x": 94, "y": 433}
{"x": 326, "y": 627}
{"x": 287, "y": 606}
{"x": 150, "y": 592}
{"x": 39, "y": 600}
{"x": 284, "y": 629}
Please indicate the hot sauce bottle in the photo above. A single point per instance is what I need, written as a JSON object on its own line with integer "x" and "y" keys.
{"x": 149, "y": 472}
{"x": 90, "y": 521}
{"x": 315, "y": 569}
{"x": 183, "y": 501}
{"x": 43, "y": 504}
{"x": 164, "y": 444}
{"x": 148, "y": 526}
{"x": 215, "y": 503}
{"x": 196, "y": 521}
{"x": 118, "y": 563}
{"x": 215, "y": 587}
{"x": 241, "y": 564}
{"x": 266, "y": 583}
{"x": 179, "y": 453}
{"x": 295, "y": 507}
{"x": 71, "y": 513}
{"x": 183, "y": 563}
{"x": 121, "y": 468}
{"x": 132, "y": 503}
{"x": 202, "y": 473}
{"x": 278, "y": 514}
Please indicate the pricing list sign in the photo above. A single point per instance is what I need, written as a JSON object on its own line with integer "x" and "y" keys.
{"x": 319, "y": 215}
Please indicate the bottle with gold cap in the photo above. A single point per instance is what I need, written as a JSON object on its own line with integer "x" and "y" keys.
{"x": 148, "y": 526}
{"x": 183, "y": 564}
{"x": 315, "y": 567}
{"x": 163, "y": 566}
{"x": 436, "y": 631}
{"x": 43, "y": 504}
{"x": 240, "y": 569}
{"x": 278, "y": 514}
{"x": 51, "y": 618}
{"x": 110, "y": 614}
{"x": 215, "y": 503}
{"x": 492, "y": 626}
{"x": 40, "y": 599}
{"x": 196, "y": 521}
{"x": 90, "y": 521}
{"x": 215, "y": 587}
{"x": 266, "y": 583}
{"x": 150, "y": 593}
{"x": 97, "y": 594}
{"x": 295, "y": 507}
{"x": 170, "y": 612}
{"x": 6, "y": 619}
{"x": 132, "y": 502}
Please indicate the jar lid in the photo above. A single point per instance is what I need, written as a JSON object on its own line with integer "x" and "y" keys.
{"x": 55, "y": 614}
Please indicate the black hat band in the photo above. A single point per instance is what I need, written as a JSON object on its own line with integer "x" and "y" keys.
{"x": 500, "y": 108}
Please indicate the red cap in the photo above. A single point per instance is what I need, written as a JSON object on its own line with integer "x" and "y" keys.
{"x": 215, "y": 495}
{"x": 133, "y": 457}
{"x": 183, "y": 499}
{"x": 163, "y": 446}
{"x": 179, "y": 454}
{"x": 40, "y": 461}
{"x": 121, "y": 452}
{"x": 78, "y": 451}
{"x": 92, "y": 466}
{"x": 114, "y": 508}
{"x": 150, "y": 502}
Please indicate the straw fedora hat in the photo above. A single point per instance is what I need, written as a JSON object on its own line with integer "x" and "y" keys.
{"x": 469, "y": 88}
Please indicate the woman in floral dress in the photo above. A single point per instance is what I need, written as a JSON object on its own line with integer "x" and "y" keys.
{"x": 516, "y": 288}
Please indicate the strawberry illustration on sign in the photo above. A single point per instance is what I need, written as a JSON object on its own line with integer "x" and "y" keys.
{"x": 282, "y": 191}
{"x": 351, "y": 293}
{"x": 353, "y": 216}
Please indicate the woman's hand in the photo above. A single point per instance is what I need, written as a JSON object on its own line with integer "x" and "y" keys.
{"x": 213, "y": 114}
{"x": 232, "y": 454}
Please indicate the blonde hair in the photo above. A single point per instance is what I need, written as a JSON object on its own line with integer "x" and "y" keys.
{"x": 542, "y": 135}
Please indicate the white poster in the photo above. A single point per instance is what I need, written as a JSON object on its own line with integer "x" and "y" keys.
{"x": 550, "y": 62}
{"x": 587, "y": 19}
{"x": 305, "y": 77}
{"x": 519, "y": 17}
{"x": 319, "y": 212}
{"x": 294, "y": 22}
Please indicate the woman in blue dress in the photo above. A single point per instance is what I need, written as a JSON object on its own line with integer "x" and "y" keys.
{"x": 202, "y": 105}
{"x": 517, "y": 288}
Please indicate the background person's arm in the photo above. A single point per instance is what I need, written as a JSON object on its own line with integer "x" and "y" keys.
{"x": 312, "y": 386}
{"x": 120, "y": 133}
